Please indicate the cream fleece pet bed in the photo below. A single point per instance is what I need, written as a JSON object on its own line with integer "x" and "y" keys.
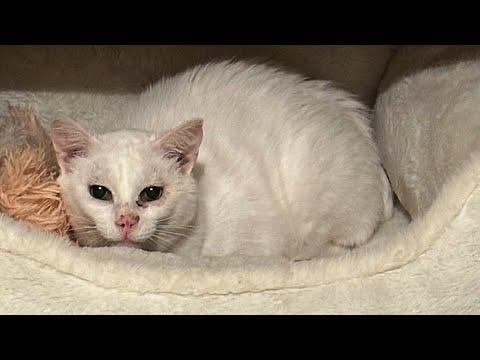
{"x": 429, "y": 265}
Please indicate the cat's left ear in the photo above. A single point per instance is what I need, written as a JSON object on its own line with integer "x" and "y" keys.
{"x": 182, "y": 144}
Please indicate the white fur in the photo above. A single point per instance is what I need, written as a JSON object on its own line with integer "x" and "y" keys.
{"x": 286, "y": 166}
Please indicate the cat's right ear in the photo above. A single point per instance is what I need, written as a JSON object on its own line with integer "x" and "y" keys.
{"x": 182, "y": 144}
{"x": 69, "y": 140}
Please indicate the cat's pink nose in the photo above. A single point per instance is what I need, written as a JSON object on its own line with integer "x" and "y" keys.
{"x": 127, "y": 222}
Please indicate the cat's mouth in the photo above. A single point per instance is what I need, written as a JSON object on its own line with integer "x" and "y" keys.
{"x": 163, "y": 238}
{"x": 93, "y": 237}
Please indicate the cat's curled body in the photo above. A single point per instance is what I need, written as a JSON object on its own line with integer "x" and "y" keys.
{"x": 286, "y": 166}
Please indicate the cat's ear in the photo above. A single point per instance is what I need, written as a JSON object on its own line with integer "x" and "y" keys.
{"x": 182, "y": 144}
{"x": 70, "y": 140}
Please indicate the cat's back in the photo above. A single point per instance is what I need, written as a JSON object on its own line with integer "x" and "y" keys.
{"x": 218, "y": 84}
{"x": 246, "y": 97}
{"x": 247, "y": 77}
{"x": 214, "y": 90}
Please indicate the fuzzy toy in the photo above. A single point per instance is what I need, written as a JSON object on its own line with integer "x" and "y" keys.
{"x": 28, "y": 172}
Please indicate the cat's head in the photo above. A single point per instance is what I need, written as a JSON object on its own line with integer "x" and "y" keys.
{"x": 128, "y": 187}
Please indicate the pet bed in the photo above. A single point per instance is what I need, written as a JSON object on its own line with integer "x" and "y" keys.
{"x": 427, "y": 264}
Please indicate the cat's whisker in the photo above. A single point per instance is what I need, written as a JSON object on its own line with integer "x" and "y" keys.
{"x": 168, "y": 226}
{"x": 85, "y": 227}
{"x": 79, "y": 217}
{"x": 171, "y": 233}
{"x": 168, "y": 218}
{"x": 163, "y": 236}
{"x": 87, "y": 233}
{"x": 159, "y": 243}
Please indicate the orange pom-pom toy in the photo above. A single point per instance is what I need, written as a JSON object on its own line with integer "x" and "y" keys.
{"x": 28, "y": 169}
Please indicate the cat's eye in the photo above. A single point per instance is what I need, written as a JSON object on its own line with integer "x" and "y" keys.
{"x": 100, "y": 192}
{"x": 151, "y": 193}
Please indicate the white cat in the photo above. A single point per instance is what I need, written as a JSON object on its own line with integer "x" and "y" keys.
{"x": 226, "y": 158}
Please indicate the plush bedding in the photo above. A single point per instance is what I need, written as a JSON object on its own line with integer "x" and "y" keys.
{"x": 426, "y": 259}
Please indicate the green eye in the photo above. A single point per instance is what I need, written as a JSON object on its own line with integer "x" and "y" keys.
{"x": 151, "y": 193}
{"x": 100, "y": 192}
